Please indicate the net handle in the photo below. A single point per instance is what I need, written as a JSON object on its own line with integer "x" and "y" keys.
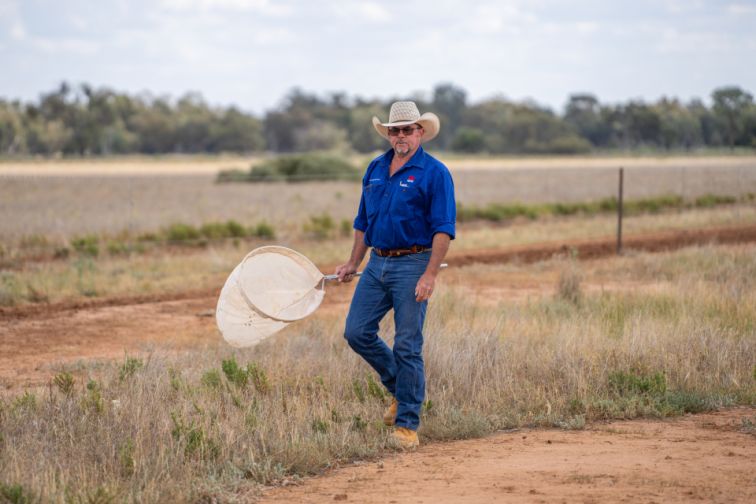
{"x": 328, "y": 278}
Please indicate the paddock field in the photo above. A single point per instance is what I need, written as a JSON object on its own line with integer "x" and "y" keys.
{"x": 60, "y": 199}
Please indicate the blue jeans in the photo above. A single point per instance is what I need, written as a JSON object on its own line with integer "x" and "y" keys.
{"x": 389, "y": 282}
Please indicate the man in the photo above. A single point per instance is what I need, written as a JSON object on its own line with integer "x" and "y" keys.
{"x": 407, "y": 215}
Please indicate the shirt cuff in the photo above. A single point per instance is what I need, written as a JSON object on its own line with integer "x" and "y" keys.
{"x": 447, "y": 228}
{"x": 360, "y": 225}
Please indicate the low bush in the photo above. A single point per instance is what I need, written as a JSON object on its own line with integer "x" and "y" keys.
{"x": 86, "y": 245}
{"x": 320, "y": 227}
{"x": 295, "y": 168}
{"x": 263, "y": 230}
{"x": 180, "y": 232}
{"x": 497, "y": 212}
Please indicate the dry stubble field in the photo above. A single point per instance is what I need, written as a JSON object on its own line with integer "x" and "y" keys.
{"x": 557, "y": 344}
{"x": 69, "y": 198}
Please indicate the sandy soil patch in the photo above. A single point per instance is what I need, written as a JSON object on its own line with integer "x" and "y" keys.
{"x": 700, "y": 458}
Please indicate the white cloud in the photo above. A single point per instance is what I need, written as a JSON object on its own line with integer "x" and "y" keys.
{"x": 77, "y": 21}
{"x": 374, "y": 12}
{"x": 498, "y": 17}
{"x": 272, "y": 36}
{"x": 358, "y": 13}
{"x": 259, "y": 6}
{"x": 586, "y": 27}
{"x": 674, "y": 41}
{"x": 65, "y": 46}
{"x": 17, "y": 30}
{"x": 739, "y": 9}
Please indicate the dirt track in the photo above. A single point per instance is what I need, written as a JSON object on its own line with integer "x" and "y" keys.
{"x": 701, "y": 458}
{"x": 34, "y": 338}
{"x": 695, "y": 458}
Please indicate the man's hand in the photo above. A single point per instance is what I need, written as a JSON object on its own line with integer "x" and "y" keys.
{"x": 346, "y": 272}
{"x": 425, "y": 286}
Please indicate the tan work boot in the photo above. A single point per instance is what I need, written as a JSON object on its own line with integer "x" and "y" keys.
{"x": 389, "y": 417}
{"x": 405, "y": 439}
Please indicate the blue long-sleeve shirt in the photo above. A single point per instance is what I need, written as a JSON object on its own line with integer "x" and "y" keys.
{"x": 410, "y": 207}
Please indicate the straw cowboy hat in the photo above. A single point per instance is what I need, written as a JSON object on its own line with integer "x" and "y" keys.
{"x": 406, "y": 113}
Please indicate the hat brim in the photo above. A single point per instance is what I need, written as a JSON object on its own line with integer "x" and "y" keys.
{"x": 429, "y": 121}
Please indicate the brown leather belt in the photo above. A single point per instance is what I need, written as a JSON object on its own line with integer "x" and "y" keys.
{"x": 415, "y": 249}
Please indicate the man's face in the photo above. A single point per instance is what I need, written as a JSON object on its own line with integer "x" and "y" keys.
{"x": 404, "y": 141}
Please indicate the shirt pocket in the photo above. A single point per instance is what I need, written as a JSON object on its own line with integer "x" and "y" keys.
{"x": 412, "y": 197}
{"x": 374, "y": 197}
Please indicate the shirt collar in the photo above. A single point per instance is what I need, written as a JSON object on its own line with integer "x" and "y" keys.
{"x": 417, "y": 160}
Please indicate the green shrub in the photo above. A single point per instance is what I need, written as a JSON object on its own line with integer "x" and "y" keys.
{"x": 214, "y": 230}
{"x": 196, "y": 442}
{"x": 86, "y": 245}
{"x": 265, "y": 173}
{"x": 652, "y": 205}
{"x": 148, "y": 237}
{"x": 374, "y": 389}
{"x": 10, "y": 289}
{"x": 264, "y": 230}
{"x": 469, "y": 140}
{"x": 626, "y": 384}
{"x": 65, "y": 383}
{"x": 304, "y": 167}
{"x": 711, "y": 200}
{"x": 181, "y": 232}
{"x": 16, "y": 494}
{"x": 320, "y": 226}
{"x": 497, "y": 212}
{"x": 569, "y": 145}
{"x": 25, "y": 402}
{"x": 359, "y": 390}
{"x": 234, "y": 373}
{"x": 211, "y": 379}
{"x": 129, "y": 367}
{"x": 126, "y": 459}
{"x": 93, "y": 400}
{"x": 259, "y": 377}
{"x": 320, "y": 426}
{"x": 118, "y": 248}
{"x": 234, "y": 229}
{"x": 232, "y": 175}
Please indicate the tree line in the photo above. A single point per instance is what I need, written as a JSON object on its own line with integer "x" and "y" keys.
{"x": 82, "y": 120}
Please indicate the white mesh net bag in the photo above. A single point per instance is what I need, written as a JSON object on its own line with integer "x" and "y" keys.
{"x": 270, "y": 288}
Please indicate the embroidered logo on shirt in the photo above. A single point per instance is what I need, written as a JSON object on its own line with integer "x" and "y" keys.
{"x": 410, "y": 180}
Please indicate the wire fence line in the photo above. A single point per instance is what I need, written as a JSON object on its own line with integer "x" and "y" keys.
{"x": 65, "y": 206}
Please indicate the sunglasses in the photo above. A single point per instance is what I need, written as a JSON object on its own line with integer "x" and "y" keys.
{"x": 406, "y": 130}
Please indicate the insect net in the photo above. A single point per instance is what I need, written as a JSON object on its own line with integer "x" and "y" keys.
{"x": 270, "y": 288}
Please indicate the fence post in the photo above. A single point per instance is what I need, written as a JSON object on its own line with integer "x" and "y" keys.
{"x": 619, "y": 211}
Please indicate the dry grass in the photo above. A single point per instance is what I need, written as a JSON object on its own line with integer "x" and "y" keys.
{"x": 190, "y": 427}
{"x": 477, "y": 236}
{"x": 206, "y": 268}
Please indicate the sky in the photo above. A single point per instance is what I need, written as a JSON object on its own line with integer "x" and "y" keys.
{"x": 251, "y": 53}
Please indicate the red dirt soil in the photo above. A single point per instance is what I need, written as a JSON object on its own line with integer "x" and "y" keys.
{"x": 696, "y": 458}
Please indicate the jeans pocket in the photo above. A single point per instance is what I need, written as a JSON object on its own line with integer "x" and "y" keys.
{"x": 422, "y": 257}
